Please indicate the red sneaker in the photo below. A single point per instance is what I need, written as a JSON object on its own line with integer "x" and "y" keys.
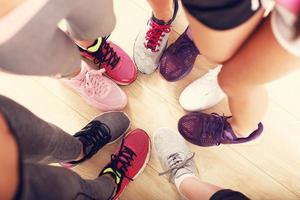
{"x": 129, "y": 160}
{"x": 116, "y": 62}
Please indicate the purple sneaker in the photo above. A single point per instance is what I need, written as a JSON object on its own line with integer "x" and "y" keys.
{"x": 179, "y": 58}
{"x": 211, "y": 129}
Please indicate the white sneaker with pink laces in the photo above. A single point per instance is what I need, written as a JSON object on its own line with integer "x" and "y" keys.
{"x": 98, "y": 90}
{"x": 151, "y": 42}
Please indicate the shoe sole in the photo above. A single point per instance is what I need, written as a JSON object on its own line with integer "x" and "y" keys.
{"x": 253, "y": 142}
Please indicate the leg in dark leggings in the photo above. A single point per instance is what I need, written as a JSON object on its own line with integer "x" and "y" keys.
{"x": 53, "y": 183}
{"x": 39, "y": 141}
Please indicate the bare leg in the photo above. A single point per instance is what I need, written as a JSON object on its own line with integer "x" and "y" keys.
{"x": 195, "y": 189}
{"x": 219, "y": 46}
{"x": 162, "y": 9}
{"x": 255, "y": 65}
{"x": 8, "y": 5}
{"x": 9, "y": 165}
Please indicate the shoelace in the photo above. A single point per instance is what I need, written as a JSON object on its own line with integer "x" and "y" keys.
{"x": 154, "y": 35}
{"x": 95, "y": 134}
{"x": 176, "y": 163}
{"x": 106, "y": 54}
{"x": 123, "y": 160}
{"x": 214, "y": 127}
{"x": 94, "y": 82}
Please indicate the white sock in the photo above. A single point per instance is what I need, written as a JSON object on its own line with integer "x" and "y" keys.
{"x": 179, "y": 180}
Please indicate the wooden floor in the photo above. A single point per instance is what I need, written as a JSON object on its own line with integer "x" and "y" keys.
{"x": 267, "y": 170}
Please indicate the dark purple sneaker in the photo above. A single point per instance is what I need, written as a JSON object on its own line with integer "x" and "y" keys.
{"x": 178, "y": 59}
{"x": 211, "y": 129}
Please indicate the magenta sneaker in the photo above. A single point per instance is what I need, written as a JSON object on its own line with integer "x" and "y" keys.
{"x": 178, "y": 59}
{"x": 98, "y": 90}
{"x": 211, "y": 129}
{"x": 109, "y": 56}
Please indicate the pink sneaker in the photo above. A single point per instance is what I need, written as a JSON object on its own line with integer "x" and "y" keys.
{"x": 98, "y": 90}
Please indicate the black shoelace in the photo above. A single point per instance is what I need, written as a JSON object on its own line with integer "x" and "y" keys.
{"x": 123, "y": 160}
{"x": 106, "y": 54}
{"x": 93, "y": 137}
{"x": 214, "y": 126}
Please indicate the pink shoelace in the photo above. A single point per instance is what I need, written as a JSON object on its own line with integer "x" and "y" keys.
{"x": 154, "y": 35}
{"x": 95, "y": 83}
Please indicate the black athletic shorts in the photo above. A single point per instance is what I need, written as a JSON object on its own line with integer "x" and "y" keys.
{"x": 228, "y": 195}
{"x": 220, "y": 14}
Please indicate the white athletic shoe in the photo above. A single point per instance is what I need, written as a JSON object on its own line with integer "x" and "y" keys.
{"x": 174, "y": 155}
{"x": 202, "y": 93}
{"x": 151, "y": 43}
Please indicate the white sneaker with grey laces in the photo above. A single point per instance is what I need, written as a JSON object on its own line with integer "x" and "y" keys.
{"x": 174, "y": 155}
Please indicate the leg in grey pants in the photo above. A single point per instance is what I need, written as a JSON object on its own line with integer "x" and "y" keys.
{"x": 41, "y": 142}
{"x": 40, "y": 48}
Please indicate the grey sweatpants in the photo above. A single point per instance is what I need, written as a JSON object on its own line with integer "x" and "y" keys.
{"x": 40, "y": 142}
{"x": 39, "y": 47}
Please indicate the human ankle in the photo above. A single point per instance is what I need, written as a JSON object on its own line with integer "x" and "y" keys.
{"x": 9, "y": 168}
{"x": 85, "y": 43}
{"x": 165, "y": 16}
{"x": 185, "y": 188}
{"x": 239, "y": 131}
{"x": 81, "y": 154}
{"x": 112, "y": 179}
{"x": 189, "y": 33}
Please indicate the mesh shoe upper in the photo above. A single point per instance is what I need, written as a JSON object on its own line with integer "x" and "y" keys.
{"x": 179, "y": 58}
{"x": 174, "y": 154}
{"x": 211, "y": 129}
{"x": 116, "y": 62}
{"x": 151, "y": 42}
{"x": 98, "y": 90}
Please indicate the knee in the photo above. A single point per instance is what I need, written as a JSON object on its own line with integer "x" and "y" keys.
{"x": 227, "y": 84}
